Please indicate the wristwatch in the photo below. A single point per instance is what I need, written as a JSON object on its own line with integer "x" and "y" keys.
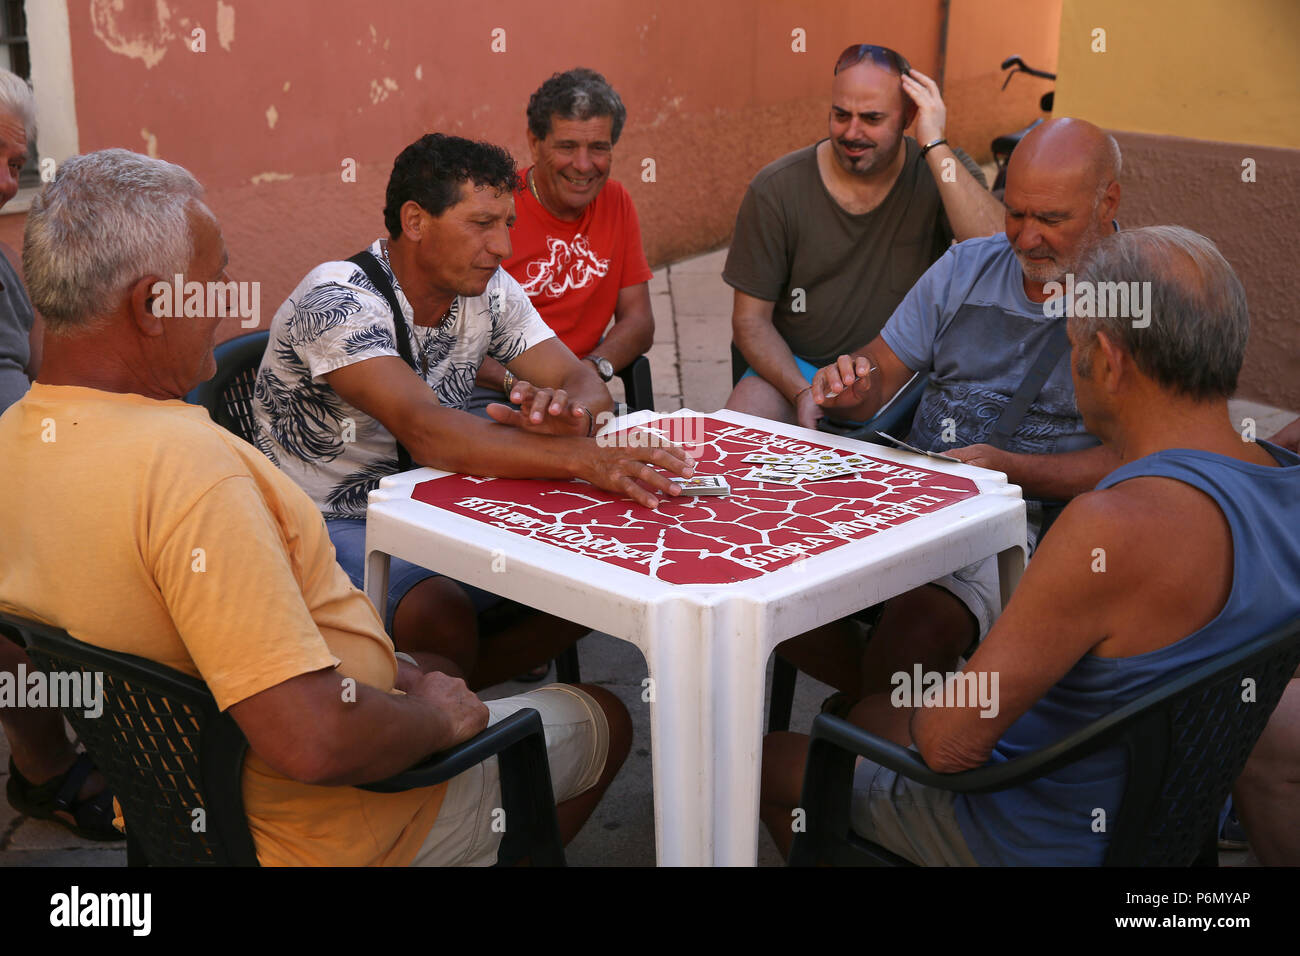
{"x": 603, "y": 366}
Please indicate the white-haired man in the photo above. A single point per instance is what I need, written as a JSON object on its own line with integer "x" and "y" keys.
{"x": 133, "y": 482}
{"x": 48, "y": 779}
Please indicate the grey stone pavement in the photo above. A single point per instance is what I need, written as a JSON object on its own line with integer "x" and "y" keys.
{"x": 691, "y": 366}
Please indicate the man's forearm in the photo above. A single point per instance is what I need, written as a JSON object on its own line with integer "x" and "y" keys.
{"x": 1062, "y": 476}
{"x": 491, "y": 374}
{"x": 972, "y": 210}
{"x": 369, "y": 735}
{"x": 584, "y": 386}
{"x": 460, "y": 442}
{"x": 769, "y": 356}
{"x": 627, "y": 339}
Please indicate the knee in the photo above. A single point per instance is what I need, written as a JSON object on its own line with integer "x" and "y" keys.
{"x": 619, "y": 721}
{"x": 928, "y": 624}
{"x": 436, "y": 615}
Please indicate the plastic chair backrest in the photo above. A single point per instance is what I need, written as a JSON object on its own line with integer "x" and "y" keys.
{"x": 173, "y": 760}
{"x": 1186, "y": 754}
{"x": 228, "y": 395}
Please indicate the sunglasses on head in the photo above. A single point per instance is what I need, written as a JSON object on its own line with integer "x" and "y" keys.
{"x": 881, "y": 56}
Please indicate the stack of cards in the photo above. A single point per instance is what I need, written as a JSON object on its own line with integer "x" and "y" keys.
{"x": 704, "y": 485}
{"x": 798, "y": 469}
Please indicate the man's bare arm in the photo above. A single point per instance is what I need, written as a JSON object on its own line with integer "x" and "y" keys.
{"x": 386, "y": 389}
{"x": 633, "y": 331}
{"x": 310, "y": 730}
{"x": 1060, "y": 611}
{"x": 971, "y": 209}
{"x": 550, "y": 364}
{"x": 761, "y": 344}
{"x": 1059, "y": 476}
{"x": 858, "y": 385}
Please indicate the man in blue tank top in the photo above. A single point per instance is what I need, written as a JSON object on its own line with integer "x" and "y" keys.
{"x": 1110, "y": 605}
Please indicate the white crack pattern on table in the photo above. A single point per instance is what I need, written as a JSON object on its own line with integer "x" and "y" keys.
{"x": 706, "y": 644}
{"x": 757, "y": 529}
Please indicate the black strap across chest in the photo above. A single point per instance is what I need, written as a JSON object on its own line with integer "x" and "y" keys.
{"x": 365, "y": 261}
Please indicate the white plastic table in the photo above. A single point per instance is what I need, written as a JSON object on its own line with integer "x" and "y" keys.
{"x": 706, "y": 645}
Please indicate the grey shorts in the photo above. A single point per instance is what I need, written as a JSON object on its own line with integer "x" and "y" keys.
{"x": 917, "y": 822}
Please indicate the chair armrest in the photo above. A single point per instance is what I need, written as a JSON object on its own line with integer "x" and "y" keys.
{"x": 1083, "y": 742}
{"x": 440, "y": 767}
{"x": 986, "y": 779}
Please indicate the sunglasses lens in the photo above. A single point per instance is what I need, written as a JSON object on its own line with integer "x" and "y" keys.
{"x": 880, "y": 55}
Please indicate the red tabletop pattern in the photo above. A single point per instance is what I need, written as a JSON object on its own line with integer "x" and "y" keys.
{"x": 758, "y": 528}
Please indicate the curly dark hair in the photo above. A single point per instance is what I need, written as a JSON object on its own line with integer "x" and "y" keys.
{"x": 579, "y": 94}
{"x": 431, "y": 169}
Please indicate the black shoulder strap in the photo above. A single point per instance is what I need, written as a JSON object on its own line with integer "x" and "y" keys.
{"x": 365, "y": 261}
{"x": 1057, "y": 344}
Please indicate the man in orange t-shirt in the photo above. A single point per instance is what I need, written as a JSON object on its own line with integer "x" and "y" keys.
{"x": 149, "y": 530}
{"x": 576, "y": 239}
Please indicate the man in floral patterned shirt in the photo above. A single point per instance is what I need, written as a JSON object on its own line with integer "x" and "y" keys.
{"x": 334, "y": 395}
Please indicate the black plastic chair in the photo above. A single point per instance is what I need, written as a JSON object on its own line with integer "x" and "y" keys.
{"x": 1186, "y": 741}
{"x": 228, "y": 395}
{"x": 175, "y": 761}
{"x": 638, "y": 388}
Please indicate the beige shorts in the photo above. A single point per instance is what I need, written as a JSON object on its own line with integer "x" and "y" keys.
{"x": 577, "y": 742}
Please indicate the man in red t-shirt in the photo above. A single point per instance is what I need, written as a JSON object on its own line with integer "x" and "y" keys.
{"x": 576, "y": 239}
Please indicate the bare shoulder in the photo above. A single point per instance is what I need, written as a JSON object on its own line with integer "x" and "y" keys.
{"x": 1144, "y": 541}
{"x": 1142, "y": 518}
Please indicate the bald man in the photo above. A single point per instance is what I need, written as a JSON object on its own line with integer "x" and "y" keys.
{"x": 830, "y": 238}
{"x": 975, "y": 324}
{"x": 1190, "y": 502}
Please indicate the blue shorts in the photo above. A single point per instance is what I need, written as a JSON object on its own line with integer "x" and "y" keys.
{"x": 807, "y": 370}
{"x": 349, "y": 538}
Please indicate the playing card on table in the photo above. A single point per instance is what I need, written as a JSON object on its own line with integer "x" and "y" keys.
{"x": 856, "y": 462}
{"x": 705, "y": 485}
{"x": 761, "y": 474}
{"x": 793, "y": 467}
{"x": 831, "y": 471}
{"x": 920, "y": 451}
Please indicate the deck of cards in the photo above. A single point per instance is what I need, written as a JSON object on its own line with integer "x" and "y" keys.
{"x": 705, "y": 485}
{"x": 800, "y": 469}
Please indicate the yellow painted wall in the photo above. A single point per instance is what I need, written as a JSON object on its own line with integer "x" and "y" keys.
{"x": 1208, "y": 69}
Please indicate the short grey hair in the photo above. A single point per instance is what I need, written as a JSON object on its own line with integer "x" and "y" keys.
{"x": 106, "y": 221}
{"x": 1114, "y": 165}
{"x": 1196, "y": 341}
{"x": 16, "y": 99}
{"x": 579, "y": 94}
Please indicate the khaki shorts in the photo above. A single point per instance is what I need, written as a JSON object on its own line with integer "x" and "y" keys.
{"x": 577, "y": 742}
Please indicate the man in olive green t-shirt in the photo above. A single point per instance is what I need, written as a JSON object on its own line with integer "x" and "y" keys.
{"x": 831, "y": 237}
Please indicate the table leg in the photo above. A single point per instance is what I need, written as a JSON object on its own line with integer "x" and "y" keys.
{"x": 680, "y": 721}
{"x": 376, "y": 581}
{"x": 740, "y": 650}
{"x": 1011, "y": 565}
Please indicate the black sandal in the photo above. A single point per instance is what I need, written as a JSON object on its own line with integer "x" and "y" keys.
{"x": 90, "y": 818}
